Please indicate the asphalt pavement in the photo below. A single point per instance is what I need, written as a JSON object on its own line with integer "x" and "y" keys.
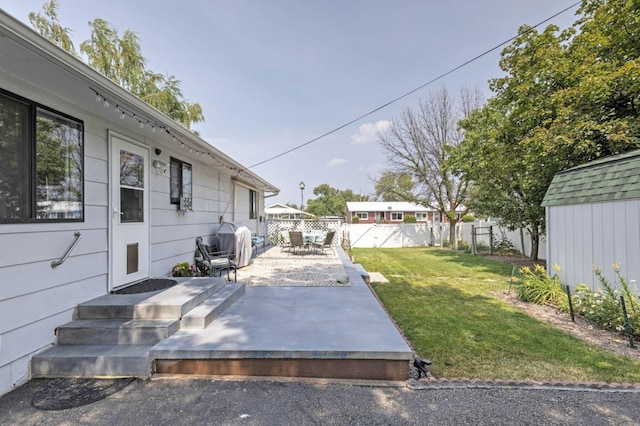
{"x": 273, "y": 402}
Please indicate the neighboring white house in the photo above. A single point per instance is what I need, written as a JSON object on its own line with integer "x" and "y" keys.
{"x": 593, "y": 218}
{"x": 282, "y": 211}
{"x": 83, "y": 158}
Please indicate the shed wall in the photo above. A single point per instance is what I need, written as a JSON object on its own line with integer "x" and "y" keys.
{"x": 599, "y": 234}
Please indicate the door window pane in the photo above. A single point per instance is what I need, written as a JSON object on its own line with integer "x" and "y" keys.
{"x": 131, "y": 187}
{"x": 131, "y": 205}
{"x": 131, "y": 169}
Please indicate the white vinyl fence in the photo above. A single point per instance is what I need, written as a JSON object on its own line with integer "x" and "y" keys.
{"x": 420, "y": 234}
{"x": 394, "y": 235}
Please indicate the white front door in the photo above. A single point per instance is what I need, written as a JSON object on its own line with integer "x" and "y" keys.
{"x": 129, "y": 183}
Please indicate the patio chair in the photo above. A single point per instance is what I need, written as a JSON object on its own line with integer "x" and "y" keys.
{"x": 212, "y": 262}
{"x": 285, "y": 240}
{"x": 327, "y": 243}
{"x": 297, "y": 241}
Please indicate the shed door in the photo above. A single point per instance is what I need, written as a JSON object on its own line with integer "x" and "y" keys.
{"x": 129, "y": 212}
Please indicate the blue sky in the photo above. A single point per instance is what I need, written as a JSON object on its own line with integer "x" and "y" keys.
{"x": 274, "y": 74}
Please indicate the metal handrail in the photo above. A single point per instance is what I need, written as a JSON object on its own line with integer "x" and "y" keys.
{"x": 63, "y": 258}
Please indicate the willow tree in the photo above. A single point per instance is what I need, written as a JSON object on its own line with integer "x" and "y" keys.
{"x": 418, "y": 144}
{"x": 120, "y": 59}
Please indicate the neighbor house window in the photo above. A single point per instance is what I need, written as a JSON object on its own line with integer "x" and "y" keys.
{"x": 363, "y": 215}
{"x": 422, "y": 216}
{"x": 41, "y": 152}
{"x": 253, "y": 204}
{"x": 436, "y": 217}
{"x": 396, "y": 216}
{"x": 181, "y": 183}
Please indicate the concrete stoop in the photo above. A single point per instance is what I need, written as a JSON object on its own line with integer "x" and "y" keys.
{"x": 113, "y": 334}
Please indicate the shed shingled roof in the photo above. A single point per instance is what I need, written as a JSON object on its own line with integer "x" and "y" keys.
{"x": 613, "y": 178}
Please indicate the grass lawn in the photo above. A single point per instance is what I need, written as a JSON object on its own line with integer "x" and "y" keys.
{"x": 442, "y": 302}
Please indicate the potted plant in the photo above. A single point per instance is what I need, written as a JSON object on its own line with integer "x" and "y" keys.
{"x": 183, "y": 269}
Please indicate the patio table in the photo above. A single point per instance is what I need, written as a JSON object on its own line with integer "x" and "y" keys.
{"x": 313, "y": 237}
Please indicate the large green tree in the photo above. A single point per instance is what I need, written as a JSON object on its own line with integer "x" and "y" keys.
{"x": 567, "y": 97}
{"x": 331, "y": 201}
{"x": 120, "y": 59}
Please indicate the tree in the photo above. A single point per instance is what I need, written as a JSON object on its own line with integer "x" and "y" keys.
{"x": 393, "y": 186}
{"x": 331, "y": 201}
{"x": 567, "y": 98}
{"x": 418, "y": 143}
{"x": 121, "y": 60}
{"x": 50, "y": 28}
{"x": 502, "y": 154}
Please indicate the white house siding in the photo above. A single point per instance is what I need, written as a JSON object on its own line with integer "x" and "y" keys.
{"x": 583, "y": 235}
{"x": 241, "y": 202}
{"x": 34, "y": 298}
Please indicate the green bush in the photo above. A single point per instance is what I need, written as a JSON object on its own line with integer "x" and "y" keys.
{"x": 355, "y": 219}
{"x": 538, "y": 287}
{"x": 464, "y": 246}
{"x": 603, "y": 306}
{"x": 468, "y": 218}
{"x": 410, "y": 219}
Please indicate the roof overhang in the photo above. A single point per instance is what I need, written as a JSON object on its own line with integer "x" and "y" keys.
{"x": 29, "y": 57}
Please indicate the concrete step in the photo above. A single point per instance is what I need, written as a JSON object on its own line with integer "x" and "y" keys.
{"x": 93, "y": 361}
{"x": 116, "y": 332}
{"x": 201, "y": 316}
{"x": 172, "y": 303}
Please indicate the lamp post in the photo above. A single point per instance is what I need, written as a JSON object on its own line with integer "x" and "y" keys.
{"x": 301, "y": 186}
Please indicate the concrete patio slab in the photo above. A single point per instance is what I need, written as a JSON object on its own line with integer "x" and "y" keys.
{"x": 320, "y": 323}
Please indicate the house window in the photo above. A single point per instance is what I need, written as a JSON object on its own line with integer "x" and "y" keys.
{"x": 253, "y": 204}
{"x": 181, "y": 184}
{"x": 362, "y": 215}
{"x": 421, "y": 216}
{"x": 41, "y": 152}
{"x": 436, "y": 217}
{"x": 396, "y": 216}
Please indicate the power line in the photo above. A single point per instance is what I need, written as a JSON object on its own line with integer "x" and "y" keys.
{"x": 452, "y": 70}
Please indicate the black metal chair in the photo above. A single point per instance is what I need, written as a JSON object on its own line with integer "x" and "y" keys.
{"x": 297, "y": 241}
{"x": 211, "y": 262}
{"x": 327, "y": 243}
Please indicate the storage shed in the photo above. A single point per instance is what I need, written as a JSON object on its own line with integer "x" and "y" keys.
{"x": 593, "y": 219}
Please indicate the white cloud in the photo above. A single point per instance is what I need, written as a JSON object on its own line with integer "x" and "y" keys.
{"x": 335, "y": 162}
{"x": 368, "y": 132}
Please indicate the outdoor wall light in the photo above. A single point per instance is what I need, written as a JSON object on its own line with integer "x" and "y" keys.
{"x": 160, "y": 165}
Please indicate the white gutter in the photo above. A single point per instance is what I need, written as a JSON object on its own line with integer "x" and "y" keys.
{"x": 58, "y": 57}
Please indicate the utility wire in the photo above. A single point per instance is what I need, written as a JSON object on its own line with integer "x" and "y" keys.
{"x": 452, "y": 70}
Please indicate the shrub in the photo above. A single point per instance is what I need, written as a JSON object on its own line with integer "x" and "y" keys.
{"x": 603, "y": 306}
{"x": 355, "y": 219}
{"x": 538, "y": 287}
{"x": 464, "y": 246}
{"x": 410, "y": 219}
{"x": 468, "y": 218}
